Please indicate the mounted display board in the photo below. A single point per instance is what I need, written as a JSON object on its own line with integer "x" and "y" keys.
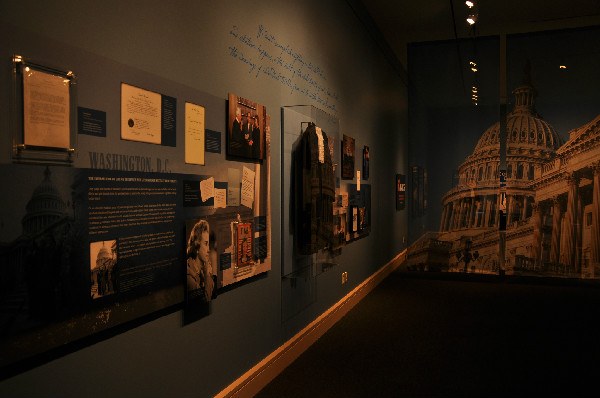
{"x": 144, "y": 222}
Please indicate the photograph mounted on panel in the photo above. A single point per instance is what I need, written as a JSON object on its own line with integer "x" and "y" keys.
{"x": 347, "y": 157}
{"x": 43, "y": 114}
{"x": 360, "y": 204}
{"x": 246, "y": 129}
{"x": 365, "y": 171}
{"x": 201, "y": 272}
{"x": 104, "y": 268}
{"x": 354, "y": 218}
{"x": 339, "y": 230}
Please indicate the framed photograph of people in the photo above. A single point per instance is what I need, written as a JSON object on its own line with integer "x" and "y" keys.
{"x": 245, "y": 129}
{"x": 347, "y": 157}
{"x": 365, "y": 170}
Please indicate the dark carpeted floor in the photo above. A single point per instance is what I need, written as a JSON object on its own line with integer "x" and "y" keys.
{"x": 455, "y": 336}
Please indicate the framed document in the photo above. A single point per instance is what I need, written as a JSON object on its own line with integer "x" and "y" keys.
{"x": 244, "y": 252}
{"x": 46, "y": 109}
{"x": 194, "y": 134}
{"x": 140, "y": 115}
{"x": 43, "y": 114}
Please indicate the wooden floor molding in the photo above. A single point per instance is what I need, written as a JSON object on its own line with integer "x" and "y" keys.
{"x": 250, "y": 383}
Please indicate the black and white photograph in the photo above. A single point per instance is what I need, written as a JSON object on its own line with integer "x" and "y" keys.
{"x": 104, "y": 268}
{"x": 201, "y": 267}
{"x": 339, "y": 230}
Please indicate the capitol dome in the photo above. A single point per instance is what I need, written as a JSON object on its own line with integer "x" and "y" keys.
{"x": 530, "y": 141}
{"x": 525, "y": 128}
{"x": 103, "y": 253}
{"x": 45, "y": 206}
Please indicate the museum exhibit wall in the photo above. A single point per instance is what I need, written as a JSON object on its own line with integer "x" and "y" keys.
{"x": 200, "y": 51}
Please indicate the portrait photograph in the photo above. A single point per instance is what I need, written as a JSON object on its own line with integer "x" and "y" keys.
{"x": 339, "y": 230}
{"x": 201, "y": 267}
{"x": 347, "y": 158}
{"x": 365, "y": 170}
{"x": 246, "y": 129}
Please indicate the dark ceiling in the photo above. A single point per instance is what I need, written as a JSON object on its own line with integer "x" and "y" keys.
{"x": 402, "y": 22}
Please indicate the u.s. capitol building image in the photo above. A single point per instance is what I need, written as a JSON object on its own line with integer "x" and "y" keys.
{"x": 552, "y": 202}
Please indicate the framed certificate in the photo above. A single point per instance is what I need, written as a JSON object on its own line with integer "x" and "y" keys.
{"x": 140, "y": 115}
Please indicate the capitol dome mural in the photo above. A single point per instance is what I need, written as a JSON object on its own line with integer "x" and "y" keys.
{"x": 552, "y": 201}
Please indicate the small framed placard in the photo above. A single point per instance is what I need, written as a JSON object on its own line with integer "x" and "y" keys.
{"x": 400, "y": 191}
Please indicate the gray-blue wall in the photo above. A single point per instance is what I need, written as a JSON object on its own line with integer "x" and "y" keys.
{"x": 188, "y": 43}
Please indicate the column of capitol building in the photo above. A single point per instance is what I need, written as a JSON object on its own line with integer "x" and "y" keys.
{"x": 553, "y": 201}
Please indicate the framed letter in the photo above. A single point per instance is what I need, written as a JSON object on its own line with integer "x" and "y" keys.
{"x": 43, "y": 113}
{"x": 194, "y": 134}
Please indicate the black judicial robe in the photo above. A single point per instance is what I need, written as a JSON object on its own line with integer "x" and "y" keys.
{"x": 314, "y": 194}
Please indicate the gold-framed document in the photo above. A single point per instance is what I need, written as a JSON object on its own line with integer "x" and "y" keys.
{"x": 46, "y": 109}
{"x": 140, "y": 115}
{"x": 43, "y": 114}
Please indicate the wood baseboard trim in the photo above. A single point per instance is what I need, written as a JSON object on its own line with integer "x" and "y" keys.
{"x": 251, "y": 382}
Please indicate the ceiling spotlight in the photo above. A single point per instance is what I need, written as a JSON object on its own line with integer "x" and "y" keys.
{"x": 471, "y": 19}
{"x": 469, "y": 4}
